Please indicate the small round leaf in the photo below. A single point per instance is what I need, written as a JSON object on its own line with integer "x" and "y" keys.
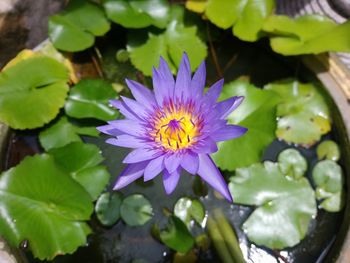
{"x": 292, "y": 163}
{"x": 328, "y": 150}
{"x": 136, "y": 210}
{"x": 107, "y": 208}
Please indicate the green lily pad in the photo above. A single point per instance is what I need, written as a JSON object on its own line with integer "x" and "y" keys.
{"x": 137, "y": 14}
{"x": 187, "y": 209}
{"x": 39, "y": 85}
{"x": 257, "y": 113}
{"x": 81, "y": 162}
{"x": 62, "y": 133}
{"x": 285, "y": 207}
{"x": 328, "y": 150}
{"x": 309, "y": 34}
{"x": 89, "y": 99}
{"x": 303, "y": 112}
{"x": 247, "y": 17}
{"x": 176, "y": 235}
{"x": 75, "y": 28}
{"x": 329, "y": 179}
{"x": 136, "y": 210}
{"x": 107, "y": 208}
{"x": 170, "y": 44}
{"x": 45, "y": 206}
{"x": 292, "y": 163}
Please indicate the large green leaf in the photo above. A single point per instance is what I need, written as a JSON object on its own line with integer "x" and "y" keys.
{"x": 177, "y": 236}
{"x": 32, "y": 91}
{"x": 246, "y": 16}
{"x": 82, "y": 161}
{"x": 303, "y": 112}
{"x": 284, "y": 206}
{"x": 75, "y": 28}
{"x": 89, "y": 99}
{"x": 137, "y": 14}
{"x": 307, "y": 34}
{"x": 257, "y": 113}
{"x": 170, "y": 44}
{"x": 42, "y": 204}
{"x": 62, "y": 132}
{"x": 329, "y": 180}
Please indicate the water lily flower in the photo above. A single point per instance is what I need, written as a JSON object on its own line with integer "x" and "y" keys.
{"x": 174, "y": 127}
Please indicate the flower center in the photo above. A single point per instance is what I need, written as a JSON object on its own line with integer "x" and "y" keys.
{"x": 176, "y": 131}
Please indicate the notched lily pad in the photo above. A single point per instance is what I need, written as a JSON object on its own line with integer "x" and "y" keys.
{"x": 176, "y": 235}
{"x": 292, "y": 163}
{"x": 89, "y": 99}
{"x": 188, "y": 209}
{"x": 62, "y": 133}
{"x": 170, "y": 44}
{"x": 82, "y": 161}
{"x": 257, "y": 113}
{"x": 329, "y": 179}
{"x": 107, "y": 208}
{"x": 137, "y": 14}
{"x": 75, "y": 28}
{"x": 39, "y": 85}
{"x": 285, "y": 207}
{"x": 303, "y": 112}
{"x": 136, "y": 210}
{"x": 48, "y": 206}
{"x": 328, "y": 150}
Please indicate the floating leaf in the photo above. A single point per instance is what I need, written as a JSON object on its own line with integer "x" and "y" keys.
{"x": 136, "y": 210}
{"x": 45, "y": 206}
{"x": 62, "y": 133}
{"x": 75, "y": 28}
{"x": 309, "y": 34}
{"x": 107, "y": 208}
{"x": 328, "y": 150}
{"x": 170, "y": 44}
{"x": 89, "y": 99}
{"x": 197, "y": 6}
{"x": 187, "y": 209}
{"x": 284, "y": 206}
{"x": 39, "y": 85}
{"x": 176, "y": 236}
{"x": 303, "y": 112}
{"x": 137, "y": 14}
{"x": 81, "y": 162}
{"x": 328, "y": 177}
{"x": 292, "y": 163}
{"x": 245, "y": 16}
{"x": 257, "y": 113}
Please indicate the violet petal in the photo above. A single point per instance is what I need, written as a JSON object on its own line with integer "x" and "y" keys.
{"x": 211, "y": 174}
{"x": 170, "y": 180}
{"x": 131, "y": 173}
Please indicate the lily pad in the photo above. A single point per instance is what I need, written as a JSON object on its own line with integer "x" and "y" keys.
{"x": 328, "y": 150}
{"x": 89, "y": 99}
{"x": 303, "y": 112}
{"x": 48, "y": 206}
{"x": 39, "y": 85}
{"x": 245, "y": 16}
{"x": 328, "y": 177}
{"x": 292, "y": 163}
{"x": 170, "y": 44}
{"x": 137, "y": 14}
{"x": 309, "y": 34}
{"x": 75, "y": 28}
{"x": 176, "y": 236}
{"x": 257, "y": 113}
{"x": 107, "y": 208}
{"x": 136, "y": 210}
{"x": 189, "y": 209}
{"x": 81, "y": 161}
{"x": 62, "y": 133}
{"x": 285, "y": 207}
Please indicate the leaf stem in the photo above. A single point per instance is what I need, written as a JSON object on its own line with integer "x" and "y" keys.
{"x": 213, "y": 54}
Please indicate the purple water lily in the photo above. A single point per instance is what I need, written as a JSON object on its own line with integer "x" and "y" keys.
{"x": 173, "y": 128}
